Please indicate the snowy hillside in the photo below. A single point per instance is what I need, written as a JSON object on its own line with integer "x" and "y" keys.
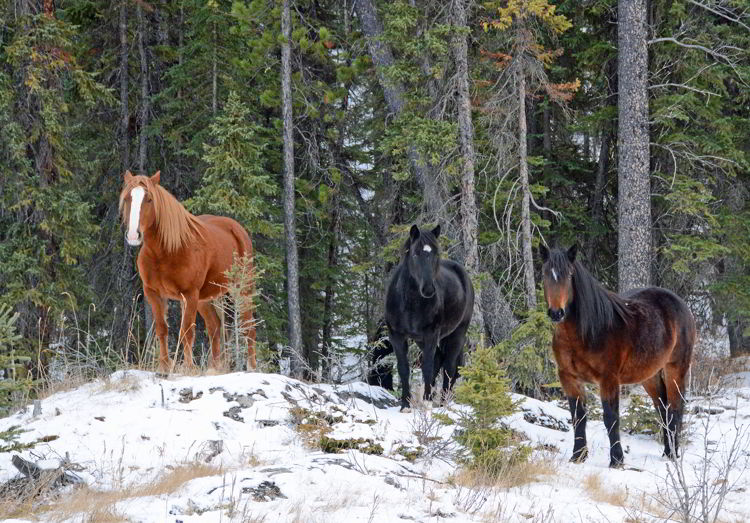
{"x": 247, "y": 447}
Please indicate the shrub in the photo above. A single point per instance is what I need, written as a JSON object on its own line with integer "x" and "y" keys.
{"x": 485, "y": 388}
{"x": 527, "y": 355}
{"x": 16, "y": 383}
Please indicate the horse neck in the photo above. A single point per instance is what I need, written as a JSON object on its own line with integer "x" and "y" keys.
{"x": 153, "y": 243}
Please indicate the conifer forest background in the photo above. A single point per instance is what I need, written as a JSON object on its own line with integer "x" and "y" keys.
{"x": 622, "y": 127}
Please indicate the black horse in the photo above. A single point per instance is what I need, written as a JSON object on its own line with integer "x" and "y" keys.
{"x": 380, "y": 374}
{"x": 430, "y": 301}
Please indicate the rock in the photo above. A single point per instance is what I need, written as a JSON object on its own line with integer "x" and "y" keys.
{"x": 545, "y": 420}
{"x": 266, "y": 491}
{"x": 381, "y": 402}
{"x": 234, "y": 413}
{"x": 276, "y": 470}
{"x": 186, "y": 395}
{"x": 700, "y": 409}
{"x": 390, "y": 480}
{"x": 245, "y": 400}
{"x": 209, "y": 450}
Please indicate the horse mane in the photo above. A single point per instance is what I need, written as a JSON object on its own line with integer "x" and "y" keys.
{"x": 595, "y": 309}
{"x": 176, "y": 226}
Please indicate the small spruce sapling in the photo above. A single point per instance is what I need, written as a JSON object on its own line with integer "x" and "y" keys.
{"x": 485, "y": 388}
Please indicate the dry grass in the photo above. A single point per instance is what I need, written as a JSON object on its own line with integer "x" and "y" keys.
{"x": 99, "y": 506}
{"x": 604, "y": 493}
{"x": 124, "y": 383}
{"x": 513, "y": 475}
{"x": 644, "y": 508}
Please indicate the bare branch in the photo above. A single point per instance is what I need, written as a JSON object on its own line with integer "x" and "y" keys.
{"x": 723, "y": 12}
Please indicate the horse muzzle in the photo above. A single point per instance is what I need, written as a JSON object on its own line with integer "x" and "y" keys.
{"x": 134, "y": 240}
{"x": 556, "y": 315}
{"x": 427, "y": 292}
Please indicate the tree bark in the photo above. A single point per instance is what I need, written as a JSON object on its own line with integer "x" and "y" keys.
{"x": 596, "y": 203}
{"x": 290, "y": 231}
{"x": 124, "y": 114}
{"x": 327, "y": 335}
{"x": 634, "y": 191}
{"x": 214, "y": 74}
{"x": 382, "y": 57}
{"x": 527, "y": 251}
{"x": 469, "y": 213}
{"x": 142, "y": 141}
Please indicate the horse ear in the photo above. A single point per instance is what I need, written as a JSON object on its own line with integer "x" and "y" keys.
{"x": 414, "y": 233}
{"x": 436, "y": 231}
{"x": 128, "y": 176}
{"x": 543, "y": 252}
{"x": 156, "y": 177}
{"x": 572, "y": 253}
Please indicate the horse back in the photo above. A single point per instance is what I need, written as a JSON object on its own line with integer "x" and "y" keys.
{"x": 224, "y": 238}
{"x": 657, "y": 309}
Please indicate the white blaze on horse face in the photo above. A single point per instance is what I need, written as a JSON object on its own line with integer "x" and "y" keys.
{"x": 554, "y": 275}
{"x": 427, "y": 248}
{"x": 136, "y": 199}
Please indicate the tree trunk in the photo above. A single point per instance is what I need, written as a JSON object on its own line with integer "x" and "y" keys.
{"x": 124, "y": 114}
{"x": 290, "y": 232}
{"x": 330, "y": 291}
{"x": 214, "y": 74}
{"x": 596, "y": 203}
{"x": 527, "y": 254}
{"x": 469, "y": 213}
{"x": 547, "y": 135}
{"x": 739, "y": 343}
{"x": 634, "y": 194}
{"x": 382, "y": 57}
{"x": 142, "y": 142}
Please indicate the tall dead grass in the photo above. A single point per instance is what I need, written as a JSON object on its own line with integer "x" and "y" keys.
{"x": 87, "y": 504}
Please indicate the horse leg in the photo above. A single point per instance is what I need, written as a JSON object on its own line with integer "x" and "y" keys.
{"x": 398, "y": 341}
{"x": 437, "y": 368}
{"x": 657, "y": 390}
{"x": 577, "y": 404}
{"x": 429, "y": 347}
{"x": 161, "y": 329}
{"x": 213, "y": 329}
{"x": 610, "y": 394}
{"x": 674, "y": 380}
{"x": 452, "y": 347}
{"x": 187, "y": 326}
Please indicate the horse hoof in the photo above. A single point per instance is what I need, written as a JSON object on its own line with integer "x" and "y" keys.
{"x": 615, "y": 464}
{"x": 579, "y": 457}
{"x": 406, "y": 410}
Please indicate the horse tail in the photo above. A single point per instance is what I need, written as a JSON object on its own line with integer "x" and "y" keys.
{"x": 245, "y": 244}
{"x": 687, "y": 334}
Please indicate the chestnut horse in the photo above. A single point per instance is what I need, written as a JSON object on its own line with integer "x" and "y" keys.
{"x": 183, "y": 257}
{"x": 642, "y": 336}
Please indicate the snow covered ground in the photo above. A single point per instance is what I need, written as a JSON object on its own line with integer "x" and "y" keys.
{"x": 242, "y": 444}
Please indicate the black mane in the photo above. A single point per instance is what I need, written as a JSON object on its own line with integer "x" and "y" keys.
{"x": 594, "y": 309}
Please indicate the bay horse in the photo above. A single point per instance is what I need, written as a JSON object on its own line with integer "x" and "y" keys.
{"x": 641, "y": 336}
{"x": 183, "y": 257}
{"x": 429, "y": 300}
